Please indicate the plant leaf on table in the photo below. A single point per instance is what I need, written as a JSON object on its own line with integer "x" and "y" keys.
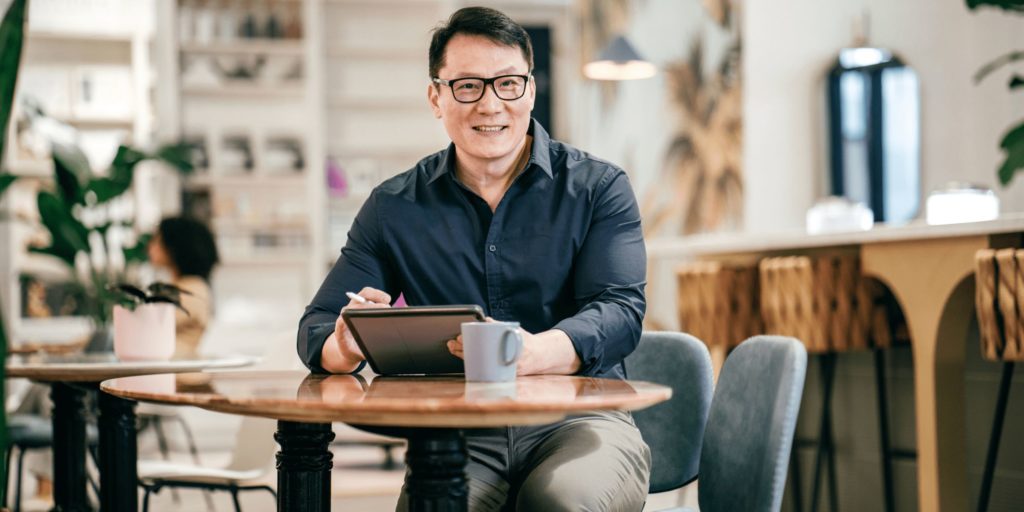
{"x": 1013, "y": 145}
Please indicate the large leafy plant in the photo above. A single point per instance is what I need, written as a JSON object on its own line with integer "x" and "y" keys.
{"x": 11, "y": 35}
{"x": 90, "y": 220}
{"x": 1013, "y": 141}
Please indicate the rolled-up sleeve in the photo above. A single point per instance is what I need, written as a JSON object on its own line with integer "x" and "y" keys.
{"x": 362, "y": 263}
{"x": 609, "y": 279}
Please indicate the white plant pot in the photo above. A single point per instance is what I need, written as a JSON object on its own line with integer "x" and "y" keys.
{"x": 146, "y": 334}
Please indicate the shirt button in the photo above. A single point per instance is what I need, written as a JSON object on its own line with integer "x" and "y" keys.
{"x": 492, "y": 248}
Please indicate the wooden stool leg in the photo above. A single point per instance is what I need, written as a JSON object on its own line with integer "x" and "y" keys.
{"x": 883, "y": 431}
{"x": 993, "y": 440}
{"x": 795, "y": 489}
{"x": 827, "y": 367}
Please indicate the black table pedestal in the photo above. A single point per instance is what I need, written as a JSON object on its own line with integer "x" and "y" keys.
{"x": 118, "y": 454}
{"x": 69, "y": 492}
{"x": 304, "y": 466}
{"x": 436, "y": 481}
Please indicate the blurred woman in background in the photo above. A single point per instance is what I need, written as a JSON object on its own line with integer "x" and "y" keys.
{"x": 185, "y": 249}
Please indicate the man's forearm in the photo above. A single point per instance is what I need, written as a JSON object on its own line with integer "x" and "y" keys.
{"x": 332, "y": 359}
{"x": 557, "y": 355}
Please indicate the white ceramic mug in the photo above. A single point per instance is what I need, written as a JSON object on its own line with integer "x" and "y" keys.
{"x": 491, "y": 350}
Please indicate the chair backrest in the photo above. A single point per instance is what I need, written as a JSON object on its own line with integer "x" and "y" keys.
{"x": 749, "y": 431}
{"x": 673, "y": 429}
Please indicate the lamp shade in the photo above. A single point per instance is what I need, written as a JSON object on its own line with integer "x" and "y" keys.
{"x": 619, "y": 61}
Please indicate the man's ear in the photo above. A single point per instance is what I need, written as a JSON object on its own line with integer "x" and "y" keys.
{"x": 433, "y": 96}
{"x": 533, "y": 92}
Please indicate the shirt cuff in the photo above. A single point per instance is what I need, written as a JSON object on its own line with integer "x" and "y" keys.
{"x": 585, "y": 340}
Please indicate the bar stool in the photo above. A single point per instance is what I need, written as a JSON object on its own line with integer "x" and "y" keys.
{"x": 999, "y": 300}
{"x": 718, "y": 304}
{"x": 825, "y": 302}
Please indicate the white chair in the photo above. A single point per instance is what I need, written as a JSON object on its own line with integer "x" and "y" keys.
{"x": 250, "y": 462}
{"x": 252, "y": 457}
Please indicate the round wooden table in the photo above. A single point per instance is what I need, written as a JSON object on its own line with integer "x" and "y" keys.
{"x": 70, "y": 377}
{"x": 431, "y": 412}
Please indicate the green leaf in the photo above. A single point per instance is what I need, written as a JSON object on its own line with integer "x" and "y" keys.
{"x": 5, "y": 181}
{"x": 122, "y": 169}
{"x": 71, "y": 170}
{"x": 1013, "y": 145}
{"x": 12, "y": 32}
{"x": 68, "y": 235}
{"x": 1016, "y": 81}
{"x": 997, "y": 63}
{"x": 1006, "y": 5}
{"x": 107, "y": 189}
{"x": 138, "y": 254}
{"x": 176, "y": 155}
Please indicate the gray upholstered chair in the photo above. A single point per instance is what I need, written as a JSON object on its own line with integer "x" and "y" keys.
{"x": 674, "y": 429}
{"x": 749, "y": 433}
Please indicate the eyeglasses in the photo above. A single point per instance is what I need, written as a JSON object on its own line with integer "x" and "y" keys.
{"x": 471, "y": 89}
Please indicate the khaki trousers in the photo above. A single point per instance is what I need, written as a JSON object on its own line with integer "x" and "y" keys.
{"x": 593, "y": 462}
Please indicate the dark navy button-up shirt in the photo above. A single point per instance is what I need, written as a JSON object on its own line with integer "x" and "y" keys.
{"x": 564, "y": 249}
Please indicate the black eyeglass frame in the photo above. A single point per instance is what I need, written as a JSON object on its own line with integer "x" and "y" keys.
{"x": 483, "y": 90}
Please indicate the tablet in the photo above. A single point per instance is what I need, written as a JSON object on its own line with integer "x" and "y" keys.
{"x": 410, "y": 340}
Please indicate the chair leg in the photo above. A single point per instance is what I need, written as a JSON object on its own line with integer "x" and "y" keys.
{"x": 825, "y": 446}
{"x": 234, "y": 497}
{"x": 189, "y": 438}
{"x": 161, "y": 439}
{"x": 17, "y": 480}
{"x": 7, "y": 474}
{"x": 993, "y": 440}
{"x": 794, "y": 480}
{"x": 883, "y": 431}
{"x": 145, "y": 500}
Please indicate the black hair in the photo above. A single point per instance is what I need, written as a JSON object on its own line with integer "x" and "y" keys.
{"x": 190, "y": 245}
{"x": 479, "y": 21}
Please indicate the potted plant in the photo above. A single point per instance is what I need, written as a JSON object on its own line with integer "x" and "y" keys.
{"x": 1012, "y": 143}
{"x": 144, "y": 321}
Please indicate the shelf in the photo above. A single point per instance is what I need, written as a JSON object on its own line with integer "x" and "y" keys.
{"x": 78, "y": 37}
{"x": 30, "y": 168}
{"x": 247, "y": 46}
{"x": 225, "y": 226}
{"x": 378, "y": 103}
{"x": 270, "y": 259}
{"x": 254, "y": 179}
{"x": 247, "y": 90}
{"x": 97, "y": 122}
{"x": 344, "y": 52}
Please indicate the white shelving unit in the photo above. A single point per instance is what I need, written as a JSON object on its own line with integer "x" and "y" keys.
{"x": 87, "y": 64}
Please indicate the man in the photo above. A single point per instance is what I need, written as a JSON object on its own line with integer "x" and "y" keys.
{"x": 532, "y": 230}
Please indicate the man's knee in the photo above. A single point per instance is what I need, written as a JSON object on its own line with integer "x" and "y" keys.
{"x": 559, "y": 495}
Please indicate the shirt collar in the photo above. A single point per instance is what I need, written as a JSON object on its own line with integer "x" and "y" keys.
{"x": 540, "y": 154}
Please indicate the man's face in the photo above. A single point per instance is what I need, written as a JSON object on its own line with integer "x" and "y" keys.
{"x": 490, "y": 129}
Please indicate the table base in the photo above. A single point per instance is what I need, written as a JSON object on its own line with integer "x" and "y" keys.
{"x": 118, "y": 454}
{"x": 436, "y": 481}
{"x": 304, "y": 466}
{"x": 69, "y": 482}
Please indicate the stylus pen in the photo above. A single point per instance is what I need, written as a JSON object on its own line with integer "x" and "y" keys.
{"x": 359, "y": 298}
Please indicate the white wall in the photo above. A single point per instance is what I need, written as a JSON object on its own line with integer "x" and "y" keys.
{"x": 789, "y": 45}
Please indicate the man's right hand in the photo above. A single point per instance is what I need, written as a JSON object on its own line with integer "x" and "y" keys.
{"x": 341, "y": 354}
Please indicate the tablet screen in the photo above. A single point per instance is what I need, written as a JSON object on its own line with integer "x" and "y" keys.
{"x": 410, "y": 340}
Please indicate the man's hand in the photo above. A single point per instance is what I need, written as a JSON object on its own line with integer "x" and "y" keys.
{"x": 341, "y": 354}
{"x": 546, "y": 353}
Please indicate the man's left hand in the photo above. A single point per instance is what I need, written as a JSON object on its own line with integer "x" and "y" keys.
{"x": 546, "y": 353}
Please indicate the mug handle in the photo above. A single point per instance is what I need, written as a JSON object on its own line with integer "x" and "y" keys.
{"x": 504, "y": 346}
